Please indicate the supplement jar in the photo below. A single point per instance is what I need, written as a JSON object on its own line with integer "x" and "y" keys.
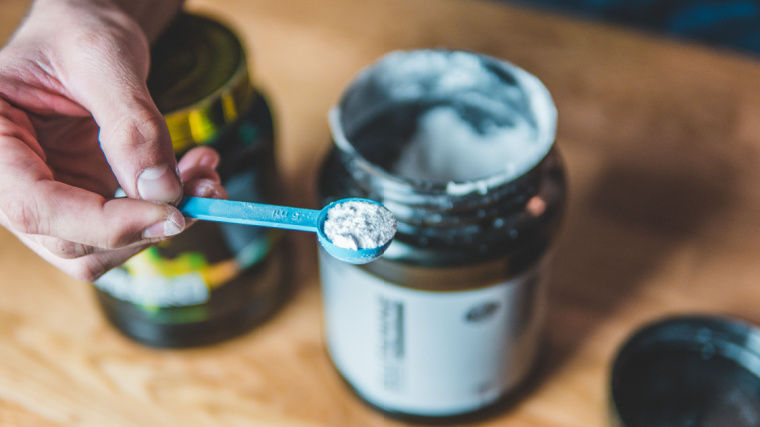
{"x": 460, "y": 147}
{"x": 213, "y": 281}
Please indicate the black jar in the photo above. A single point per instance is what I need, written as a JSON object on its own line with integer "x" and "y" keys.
{"x": 213, "y": 281}
{"x": 448, "y": 322}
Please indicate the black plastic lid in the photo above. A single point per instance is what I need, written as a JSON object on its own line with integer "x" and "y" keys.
{"x": 688, "y": 371}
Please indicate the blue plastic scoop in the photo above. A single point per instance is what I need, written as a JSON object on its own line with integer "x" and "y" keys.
{"x": 279, "y": 217}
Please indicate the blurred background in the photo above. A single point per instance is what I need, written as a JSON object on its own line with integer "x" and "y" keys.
{"x": 733, "y": 24}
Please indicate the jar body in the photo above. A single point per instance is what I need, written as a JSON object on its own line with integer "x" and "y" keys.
{"x": 418, "y": 338}
{"x": 448, "y": 322}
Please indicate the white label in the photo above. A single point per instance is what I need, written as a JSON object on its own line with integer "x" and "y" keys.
{"x": 430, "y": 353}
{"x": 158, "y": 291}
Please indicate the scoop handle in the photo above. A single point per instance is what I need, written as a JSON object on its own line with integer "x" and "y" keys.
{"x": 250, "y": 213}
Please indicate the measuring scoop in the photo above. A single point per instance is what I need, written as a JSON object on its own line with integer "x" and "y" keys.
{"x": 279, "y": 217}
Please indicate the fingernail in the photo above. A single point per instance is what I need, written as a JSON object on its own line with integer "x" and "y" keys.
{"x": 159, "y": 184}
{"x": 208, "y": 189}
{"x": 209, "y": 160}
{"x": 166, "y": 228}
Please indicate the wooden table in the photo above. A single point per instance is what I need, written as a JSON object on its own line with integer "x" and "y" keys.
{"x": 662, "y": 144}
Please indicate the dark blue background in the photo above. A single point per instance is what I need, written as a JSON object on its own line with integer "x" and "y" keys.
{"x": 729, "y": 23}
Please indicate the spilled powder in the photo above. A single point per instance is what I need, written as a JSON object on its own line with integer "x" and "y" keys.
{"x": 356, "y": 224}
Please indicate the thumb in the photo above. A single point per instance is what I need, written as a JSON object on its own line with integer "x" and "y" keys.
{"x": 111, "y": 83}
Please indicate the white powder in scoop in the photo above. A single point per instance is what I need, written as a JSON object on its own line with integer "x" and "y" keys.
{"x": 356, "y": 224}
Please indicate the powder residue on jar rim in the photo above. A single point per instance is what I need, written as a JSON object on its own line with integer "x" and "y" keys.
{"x": 357, "y": 224}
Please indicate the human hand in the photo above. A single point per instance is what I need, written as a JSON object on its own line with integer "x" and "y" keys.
{"x": 76, "y": 124}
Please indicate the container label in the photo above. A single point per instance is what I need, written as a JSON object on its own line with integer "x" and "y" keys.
{"x": 155, "y": 291}
{"x": 186, "y": 269}
{"x": 430, "y": 353}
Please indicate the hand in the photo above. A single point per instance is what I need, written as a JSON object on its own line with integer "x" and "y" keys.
{"x": 77, "y": 123}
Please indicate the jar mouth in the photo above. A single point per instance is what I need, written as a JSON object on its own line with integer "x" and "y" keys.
{"x": 445, "y": 123}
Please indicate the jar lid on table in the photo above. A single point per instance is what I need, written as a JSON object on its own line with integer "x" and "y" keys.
{"x": 696, "y": 370}
{"x": 199, "y": 79}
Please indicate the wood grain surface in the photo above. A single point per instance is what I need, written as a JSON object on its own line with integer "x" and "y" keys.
{"x": 662, "y": 145}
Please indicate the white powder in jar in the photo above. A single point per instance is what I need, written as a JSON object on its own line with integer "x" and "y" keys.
{"x": 357, "y": 224}
{"x": 448, "y": 148}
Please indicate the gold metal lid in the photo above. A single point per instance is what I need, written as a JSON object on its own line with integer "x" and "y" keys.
{"x": 199, "y": 80}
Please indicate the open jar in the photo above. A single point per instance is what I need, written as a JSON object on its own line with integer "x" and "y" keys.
{"x": 460, "y": 147}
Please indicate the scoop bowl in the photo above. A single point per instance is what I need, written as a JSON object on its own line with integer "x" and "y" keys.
{"x": 349, "y": 255}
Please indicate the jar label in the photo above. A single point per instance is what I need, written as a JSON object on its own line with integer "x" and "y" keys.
{"x": 430, "y": 353}
{"x": 186, "y": 269}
